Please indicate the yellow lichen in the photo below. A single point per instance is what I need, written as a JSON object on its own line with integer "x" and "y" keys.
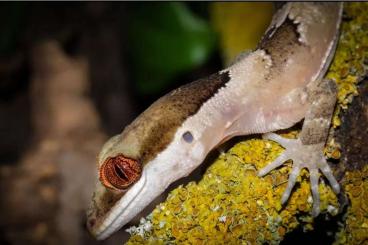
{"x": 355, "y": 229}
{"x": 348, "y": 65}
{"x": 232, "y": 205}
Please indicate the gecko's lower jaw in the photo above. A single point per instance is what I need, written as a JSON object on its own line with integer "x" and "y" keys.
{"x": 133, "y": 202}
{"x": 125, "y": 209}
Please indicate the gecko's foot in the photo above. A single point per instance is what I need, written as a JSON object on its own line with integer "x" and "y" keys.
{"x": 303, "y": 156}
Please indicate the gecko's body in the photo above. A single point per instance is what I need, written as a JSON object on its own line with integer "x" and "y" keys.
{"x": 272, "y": 88}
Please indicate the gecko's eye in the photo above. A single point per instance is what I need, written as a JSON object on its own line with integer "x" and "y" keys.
{"x": 120, "y": 172}
{"x": 188, "y": 137}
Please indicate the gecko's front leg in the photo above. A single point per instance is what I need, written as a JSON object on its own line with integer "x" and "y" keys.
{"x": 307, "y": 150}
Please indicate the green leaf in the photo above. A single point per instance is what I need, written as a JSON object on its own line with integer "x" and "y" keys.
{"x": 165, "y": 40}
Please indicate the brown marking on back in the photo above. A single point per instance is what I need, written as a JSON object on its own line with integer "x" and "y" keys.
{"x": 155, "y": 128}
{"x": 282, "y": 43}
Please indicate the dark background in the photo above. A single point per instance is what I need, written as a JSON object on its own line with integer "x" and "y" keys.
{"x": 110, "y": 36}
{"x": 72, "y": 75}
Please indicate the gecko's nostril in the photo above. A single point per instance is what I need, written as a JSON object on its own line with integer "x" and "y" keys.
{"x": 91, "y": 222}
{"x": 120, "y": 172}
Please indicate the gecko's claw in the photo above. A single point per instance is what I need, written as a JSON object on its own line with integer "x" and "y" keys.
{"x": 303, "y": 156}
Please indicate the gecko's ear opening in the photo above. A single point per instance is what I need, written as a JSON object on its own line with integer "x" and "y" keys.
{"x": 119, "y": 172}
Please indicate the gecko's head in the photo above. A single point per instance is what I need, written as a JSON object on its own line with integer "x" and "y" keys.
{"x": 128, "y": 183}
{"x": 163, "y": 144}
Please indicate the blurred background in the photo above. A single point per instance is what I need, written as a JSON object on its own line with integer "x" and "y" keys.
{"x": 74, "y": 74}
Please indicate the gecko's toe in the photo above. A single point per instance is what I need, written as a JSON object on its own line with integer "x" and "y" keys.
{"x": 327, "y": 172}
{"x": 277, "y": 138}
{"x": 278, "y": 162}
{"x": 291, "y": 182}
{"x": 314, "y": 176}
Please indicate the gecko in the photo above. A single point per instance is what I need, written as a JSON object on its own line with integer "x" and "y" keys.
{"x": 275, "y": 86}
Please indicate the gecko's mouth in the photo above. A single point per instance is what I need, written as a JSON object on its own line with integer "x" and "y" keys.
{"x": 112, "y": 209}
{"x": 104, "y": 220}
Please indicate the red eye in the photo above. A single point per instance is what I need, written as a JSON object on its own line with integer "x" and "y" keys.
{"x": 120, "y": 172}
